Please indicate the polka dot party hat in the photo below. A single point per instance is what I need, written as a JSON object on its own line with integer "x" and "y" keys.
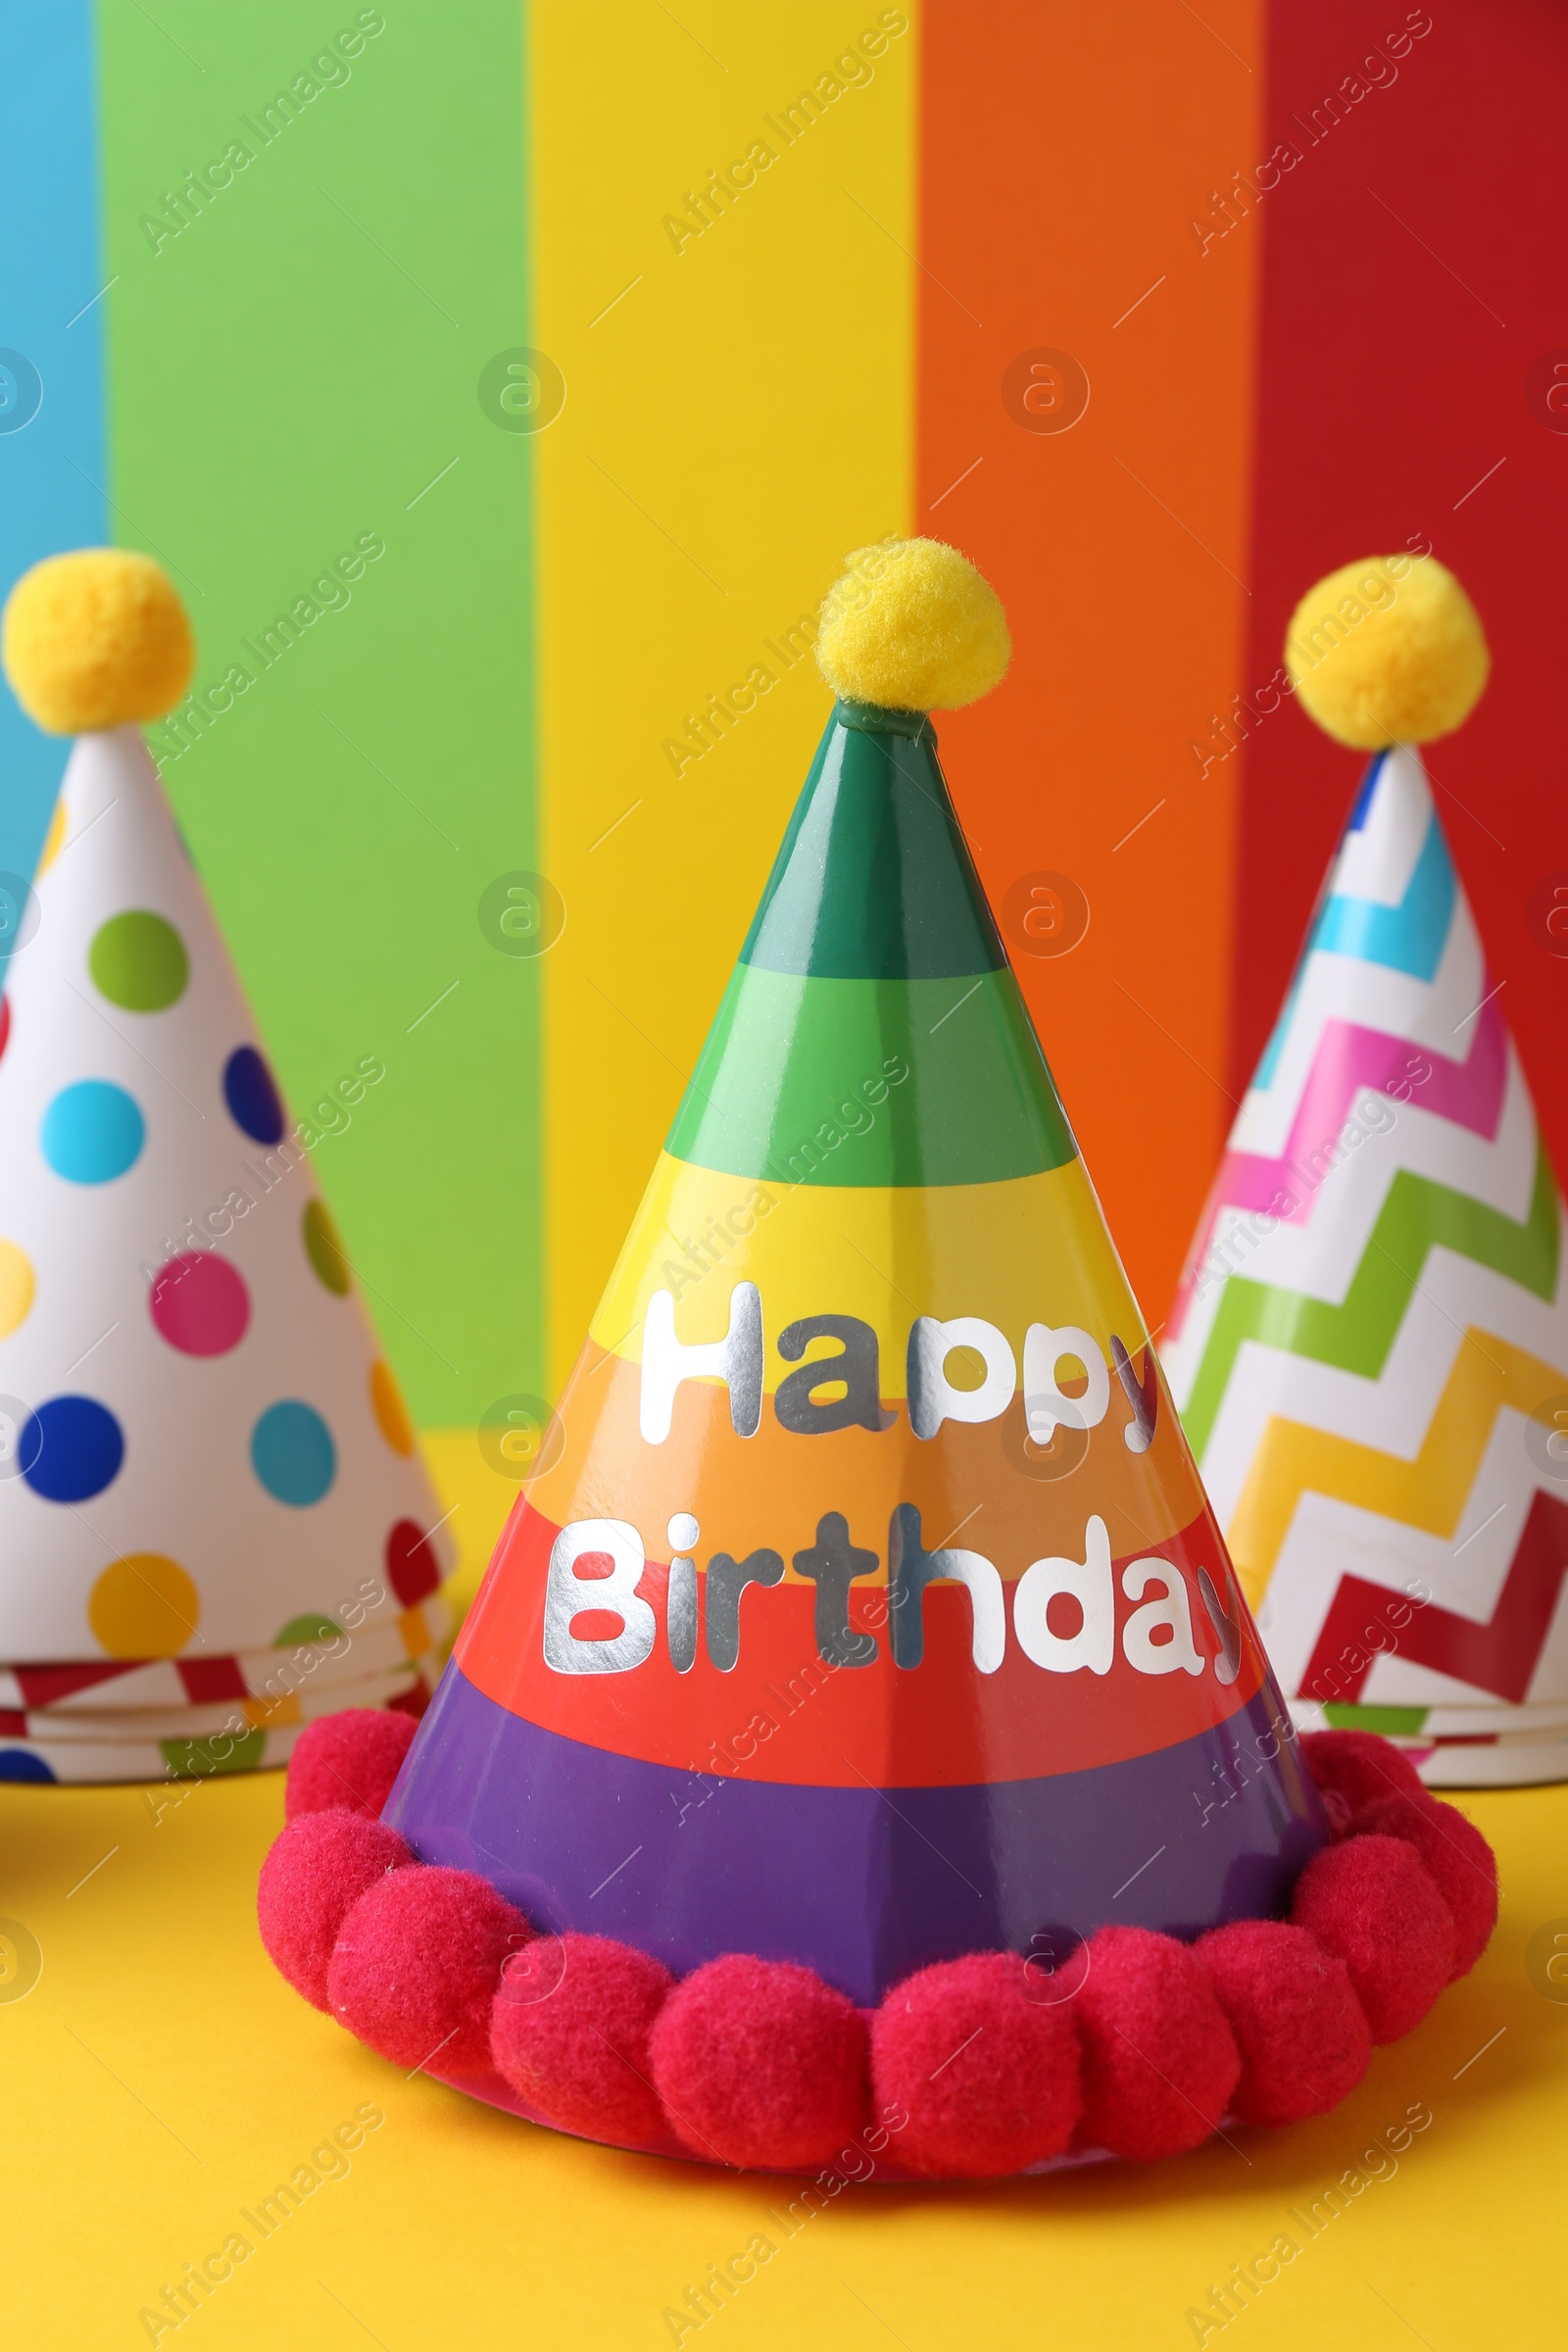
{"x": 203, "y": 1456}
{"x": 859, "y": 1754}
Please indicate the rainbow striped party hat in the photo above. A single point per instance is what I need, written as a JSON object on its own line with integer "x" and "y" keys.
{"x": 1370, "y": 1349}
{"x": 213, "y": 1524}
{"x": 865, "y": 1609}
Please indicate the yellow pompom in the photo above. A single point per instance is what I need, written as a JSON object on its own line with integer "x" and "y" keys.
{"x": 913, "y": 626}
{"x": 1388, "y": 651}
{"x": 96, "y": 639}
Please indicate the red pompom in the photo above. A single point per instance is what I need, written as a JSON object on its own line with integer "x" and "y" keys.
{"x": 1160, "y": 2060}
{"x": 1373, "y": 1903}
{"x": 570, "y": 2032}
{"x": 1353, "y": 1769}
{"x": 416, "y": 1966}
{"x": 350, "y": 1759}
{"x": 1461, "y": 1862}
{"x": 759, "y": 2063}
{"x": 987, "y": 2073}
{"x": 316, "y": 1873}
{"x": 1303, "y": 2040}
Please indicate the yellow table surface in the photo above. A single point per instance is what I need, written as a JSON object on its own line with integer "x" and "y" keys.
{"x": 158, "y": 2081}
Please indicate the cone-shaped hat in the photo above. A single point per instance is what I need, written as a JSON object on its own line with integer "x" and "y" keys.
{"x": 205, "y": 1461}
{"x": 866, "y": 1609}
{"x": 859, "y": 1754}
{"x": 1370, "y": 1350}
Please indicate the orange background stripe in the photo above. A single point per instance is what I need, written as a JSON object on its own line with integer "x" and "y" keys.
{"x": 1118, "y": 546}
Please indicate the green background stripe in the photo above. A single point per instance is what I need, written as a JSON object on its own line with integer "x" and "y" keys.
{"x": 792, "y": 1064}
{"x": 873, "y": 880}
{"x": 1417, "y": 1217}
{"x": 292, "y": 370}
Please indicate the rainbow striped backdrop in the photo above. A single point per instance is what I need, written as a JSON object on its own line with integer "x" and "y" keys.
{"x": 252, "y": 371}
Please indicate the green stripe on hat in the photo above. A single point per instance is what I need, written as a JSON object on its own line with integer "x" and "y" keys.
{"x": 872, "y": 1082}
{"x": 873, "y": 880}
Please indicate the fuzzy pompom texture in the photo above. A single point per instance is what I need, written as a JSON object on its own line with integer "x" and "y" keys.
{"x": 1374, "y": 1904}
{"x": 1304, "y": 2037}
{"x": 1351, "y": 1770}
{"x": 570, "y": 2032}
{"x": 1459, "y": 1860}
{"x": 316, "y": 1870}
{"x": 913, "y": 626}
{"x": 1160, "y": 2060}
{"x": 416, "y": 1966}
{"x": 759, "y": 2063}
{"x": 351, "y": 1758}
{"x": 96, "y": 639}
{"x": 1389, "y": 650}
{"x": 987, "y": 2073}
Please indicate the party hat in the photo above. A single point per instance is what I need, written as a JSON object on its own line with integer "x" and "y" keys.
{"x": 1370, "y": 1349}
{"x": 205, "y": 1461}
{"x": 863, "y": 1641}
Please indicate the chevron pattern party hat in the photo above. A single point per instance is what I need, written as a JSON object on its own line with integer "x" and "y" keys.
{"x": 1370, "y": 1348}
{"x": 213, "y": 1526}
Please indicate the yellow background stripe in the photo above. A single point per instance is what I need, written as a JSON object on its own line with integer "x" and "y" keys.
{"x": 739, "y": 420}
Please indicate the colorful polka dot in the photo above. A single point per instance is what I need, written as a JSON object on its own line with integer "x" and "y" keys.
{"x": 411, "y": 1563}
{"x": 390, "y": 1412}
{"x": 292, "y": 1453}
{"x": 252, "y": 1098}
{"x": 200, "y": 1304}
{"x": 52, "y": 840}
{"x": 71, "y": 1449}
{"x": 139, "y": 961}
{"x": 92, "y": 1132}
{"x": 143, "y": 1605}
{"x": 311, "y": 1626}
{"x": 16, "y": 1288}
{"x": 324, "y": 1249}
{"x": 19, "y": 1764}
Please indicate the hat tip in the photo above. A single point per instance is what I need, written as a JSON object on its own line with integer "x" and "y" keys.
{"x": 912, "y": 626}
{"x": 97, "y": 638}
{"x": 1388, "y": 650}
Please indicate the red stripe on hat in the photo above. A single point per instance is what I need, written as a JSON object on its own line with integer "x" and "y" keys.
{"x": 783, "y": 1714}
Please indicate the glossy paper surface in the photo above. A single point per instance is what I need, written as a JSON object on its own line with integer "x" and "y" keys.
{"x": 894, "y": 1622}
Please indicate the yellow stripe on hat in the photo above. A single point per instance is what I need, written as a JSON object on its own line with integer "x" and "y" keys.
{"x": 1033, "y": 1249}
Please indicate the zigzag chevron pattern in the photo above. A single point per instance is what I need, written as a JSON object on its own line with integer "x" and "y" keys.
{"x": 1494, "y": 1655}
{"x": 1351, "y": 1060}
{"x": 1429, "y": 1493}
{"x": 1381, "y": 905}
{"x": 1357, "y": 1379}
{"x": 1419, "y": 1217}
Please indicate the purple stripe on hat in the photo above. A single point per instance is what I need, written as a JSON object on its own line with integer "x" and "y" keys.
{"x": 860, "y": 1883}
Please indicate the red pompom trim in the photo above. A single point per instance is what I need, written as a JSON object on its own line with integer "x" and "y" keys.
{"x": 1372, "y": 1902}
{"x": 759, "y": 2063}
{"x": 569, "y": 2032}
{"x": 982, "y": 2056}
{"x": 1302, "y": 2034}
{"x": 1461, "y": 1862}
{"x": 348, "y": 1759}
{"x": 1160, "y": 2060}
{"x": 1353, "y": 1769}
{"x": 417, "y": 1964}
{"x": 310, "y": 1881}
